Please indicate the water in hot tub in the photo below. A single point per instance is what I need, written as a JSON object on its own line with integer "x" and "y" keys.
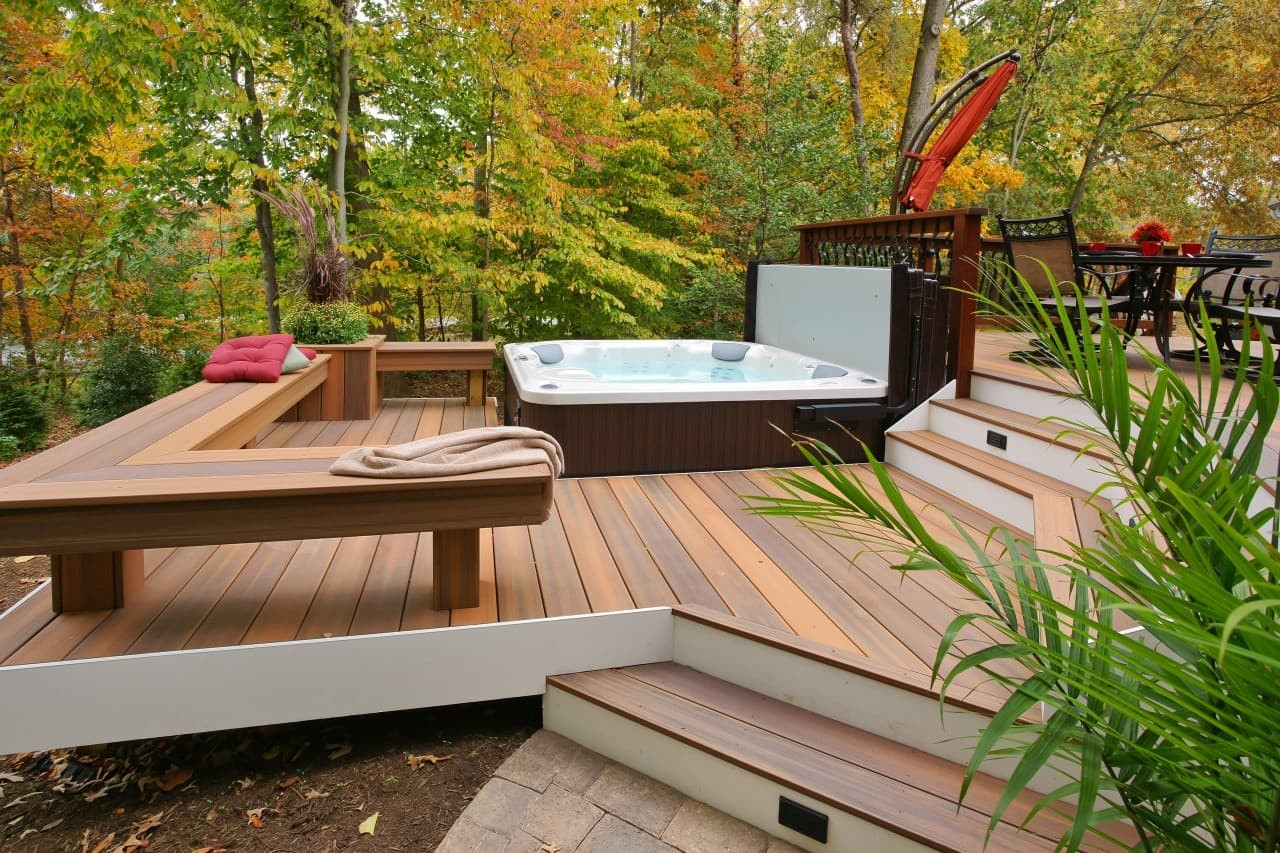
{"x": 680, "y": 370}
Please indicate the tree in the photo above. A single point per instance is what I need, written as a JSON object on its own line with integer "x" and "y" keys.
{"x": 924, "y": 73}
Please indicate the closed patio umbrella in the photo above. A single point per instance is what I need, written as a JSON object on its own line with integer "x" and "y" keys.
{"x": 963, "y": 125}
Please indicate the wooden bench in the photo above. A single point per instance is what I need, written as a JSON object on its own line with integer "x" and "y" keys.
{"x": 178, "y": 473}
{"x": 475, "y": 357}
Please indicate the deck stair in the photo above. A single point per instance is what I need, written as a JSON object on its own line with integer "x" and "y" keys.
{"x": 1009, "y": 451}
{"x": 826, "y": 750}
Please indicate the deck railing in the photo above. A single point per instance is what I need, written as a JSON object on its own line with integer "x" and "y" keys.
{"x": 946, "y": 244}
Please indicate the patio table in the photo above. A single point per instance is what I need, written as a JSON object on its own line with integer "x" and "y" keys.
{"x": 1152, "y": 290}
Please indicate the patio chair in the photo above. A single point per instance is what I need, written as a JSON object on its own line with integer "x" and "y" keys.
{"x": 1227, "y": 294}
{"x": 1043, "y": 250}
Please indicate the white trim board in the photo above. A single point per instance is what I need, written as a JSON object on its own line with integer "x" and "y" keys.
{"x": 68, "y": 703}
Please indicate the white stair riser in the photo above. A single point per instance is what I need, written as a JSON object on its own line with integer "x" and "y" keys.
{"x": 1029, "y": 401}
{"x": 855, "y": 700}
{"x": 891, "y": 711}
{"x": 1053, "y": 460}
{"x": 704, "y": 777}
{"x": 1012, "y": 508}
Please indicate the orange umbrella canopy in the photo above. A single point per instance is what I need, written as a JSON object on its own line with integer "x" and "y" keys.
{"x": 963, "y": 125}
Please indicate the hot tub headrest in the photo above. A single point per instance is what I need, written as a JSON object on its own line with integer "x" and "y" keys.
{"x": 828, "y": 371}
{"x": 549, "y": 353}
{"x": 727, "y": 351}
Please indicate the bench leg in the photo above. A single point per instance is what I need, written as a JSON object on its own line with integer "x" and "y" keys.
{"x": 456, "y": 566}
{"x": 97, "y": 581}
{"x": 475, "y": 388}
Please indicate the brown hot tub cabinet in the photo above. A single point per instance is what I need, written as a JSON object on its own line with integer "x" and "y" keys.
{"x": 663, "y": 437}
{"x": 655, "y": 438}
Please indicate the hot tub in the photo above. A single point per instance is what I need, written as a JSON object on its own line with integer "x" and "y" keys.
{"x": 643, "y": 406}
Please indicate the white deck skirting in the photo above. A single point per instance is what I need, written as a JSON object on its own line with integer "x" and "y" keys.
{"x": 67, "y": 703}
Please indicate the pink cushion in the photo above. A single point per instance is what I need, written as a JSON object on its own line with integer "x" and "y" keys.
{"x": 253, "y": 359}
{"x": 308, "y": 352}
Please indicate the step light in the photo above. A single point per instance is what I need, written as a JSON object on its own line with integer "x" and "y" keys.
{"x": 997, "y": 439}
{"x": 804, "y": 820}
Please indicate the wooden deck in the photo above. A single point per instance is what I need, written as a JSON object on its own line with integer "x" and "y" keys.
{"x": 991, "y": 358}
{"x": 611, "y": 544}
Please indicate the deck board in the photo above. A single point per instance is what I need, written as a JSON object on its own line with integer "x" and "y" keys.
{"x": 282, "y": 614}
{"x": 645, "y": 583}
{"x": 612, "y": 543}
{"x": 335, "y": 601}
{"x": 381, "y": 606}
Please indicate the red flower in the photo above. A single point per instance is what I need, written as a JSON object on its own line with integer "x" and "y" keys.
{"x": 1148, "y": 231}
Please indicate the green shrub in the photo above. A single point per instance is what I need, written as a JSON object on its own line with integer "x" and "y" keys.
{"x": 124, "y": 376}
{"x": 328, "y": 323}
{"x": 183, "y": 372}
{"x": 24, "y": 420}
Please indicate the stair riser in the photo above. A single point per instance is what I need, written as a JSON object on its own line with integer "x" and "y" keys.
{"x": 850, "y": 698}
{"x": 1054, "y": 460}
{"x": 1029, "y": 401}
{"x": 1013, "y": 508}
{"x": 712, "y": 780}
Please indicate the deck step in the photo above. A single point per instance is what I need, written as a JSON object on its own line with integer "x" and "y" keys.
{"x": 996, "y": 486}
{"x": 741, "y": 751}
{"x": 1032, "y": 395}
{"x": 1032, "y": 426}
{"x": 1028, "y": 440}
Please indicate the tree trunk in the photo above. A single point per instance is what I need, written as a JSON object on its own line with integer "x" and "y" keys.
{"x": 252, "y": 136}
{"x": 849, "y": 42}
{"x": 482, "y": 189}
{"x": 15, "y": 262}
{"x": 342, "y": 118}
{"x": 925, "y": 72}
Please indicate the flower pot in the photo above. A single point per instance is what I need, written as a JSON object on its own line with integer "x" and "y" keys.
{"x": 1151, "y": 248}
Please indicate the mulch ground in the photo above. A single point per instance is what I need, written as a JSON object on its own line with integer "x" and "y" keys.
{"x": 382, "y": 782}
{"x": 379, "y": 782}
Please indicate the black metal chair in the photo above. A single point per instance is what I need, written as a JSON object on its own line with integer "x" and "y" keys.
{"x": 1228, "y": 294}
{"x": 1043, "y": 250}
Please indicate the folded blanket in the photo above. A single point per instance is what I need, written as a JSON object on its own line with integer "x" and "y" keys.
{"x": 453, "y": 453}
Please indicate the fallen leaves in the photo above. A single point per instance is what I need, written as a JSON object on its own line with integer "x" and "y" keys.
{"x": 368, "y": 825}
{"x": 286, "y": 784}
{"x": 174, "y": 778}
{"x": 100, "y": 847}
{"x": 256, "y": 815}
{"x": 339, "y": 750}
{"x": 416, "y": 761}
{"x": 30, "y": 581}
{"x": 549, "y": 847}
{"x": 135, "y": 840}
{"x": 24, "y": 559}
{"x": 313, "y": 794}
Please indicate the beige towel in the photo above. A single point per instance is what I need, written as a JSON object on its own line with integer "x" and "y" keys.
{"x": 453, "y": 453}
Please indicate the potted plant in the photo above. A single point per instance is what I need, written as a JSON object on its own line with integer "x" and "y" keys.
{"x": 1150, "y": 237}
{"x": 326, "y": 317}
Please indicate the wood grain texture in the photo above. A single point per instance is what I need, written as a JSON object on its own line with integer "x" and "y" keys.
{"x": 874, "y": 794}
{"x": 655, "y": 438}
{"x": 455, "y": 556}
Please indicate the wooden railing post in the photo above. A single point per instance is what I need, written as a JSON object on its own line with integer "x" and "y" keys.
{"x": 966, "y": 249}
